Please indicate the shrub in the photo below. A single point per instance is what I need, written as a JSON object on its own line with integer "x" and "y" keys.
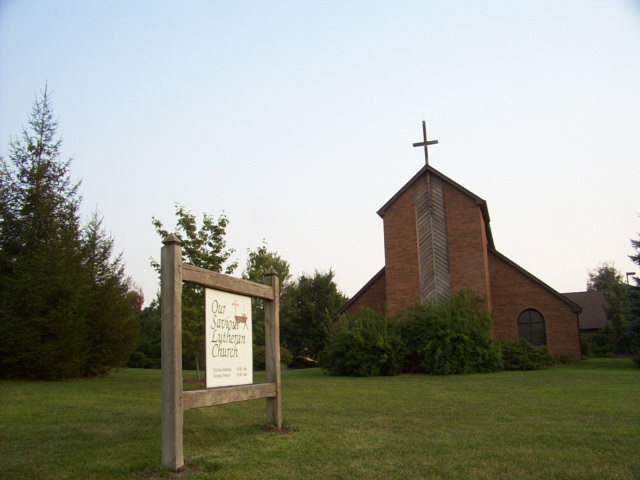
{"x": 259, "y": 357}
{"x": 596, "y": 345}
{"x": 286, "y": 357}
{"x": 450, "y": 338}
{"x": 365, "y": 346}
{"x": 519, "y": 354}
{"x": 565, "y": 359}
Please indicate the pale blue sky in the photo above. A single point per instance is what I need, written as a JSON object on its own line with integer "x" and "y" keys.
{"x": 297, "y": 118}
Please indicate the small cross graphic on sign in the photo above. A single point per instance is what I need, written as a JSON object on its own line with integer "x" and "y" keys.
{"x": 425, "y": 143}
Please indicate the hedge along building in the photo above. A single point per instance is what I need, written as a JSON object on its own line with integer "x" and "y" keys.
{"x": 438, "y": 241}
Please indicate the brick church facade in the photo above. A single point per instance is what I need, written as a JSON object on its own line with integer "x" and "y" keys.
{"x": 438, "y": 241}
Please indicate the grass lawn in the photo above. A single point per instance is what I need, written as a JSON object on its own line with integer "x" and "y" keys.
{"x": 577, "y": 422}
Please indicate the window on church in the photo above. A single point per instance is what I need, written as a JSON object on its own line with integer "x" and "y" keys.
{"x": 531, "y": 327}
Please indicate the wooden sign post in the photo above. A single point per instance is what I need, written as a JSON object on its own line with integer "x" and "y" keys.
{"x": 174, "y": 400}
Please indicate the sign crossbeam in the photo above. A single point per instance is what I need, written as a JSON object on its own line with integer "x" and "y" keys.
{"x": 219, "y": 396}
{"x": 218, "y": 281}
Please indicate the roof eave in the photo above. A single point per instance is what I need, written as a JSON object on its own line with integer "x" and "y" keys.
{"x": 576, "y": 308}
{"x": 428, "y": 168}
{"x": 360, "y": 292}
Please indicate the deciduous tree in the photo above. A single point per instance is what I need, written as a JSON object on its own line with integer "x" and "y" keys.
{"x": 308, "y": 305}
{"x": 259, "y": 262}
{"x": 147, "y": 353}
{"x": 608, "y": 280}
{"x": 204, "y": 247}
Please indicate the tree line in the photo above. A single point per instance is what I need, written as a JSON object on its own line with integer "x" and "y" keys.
{"x": 621, "y": 334}
{"x": 68, "y": 308}
{"x": 307, "y": 303}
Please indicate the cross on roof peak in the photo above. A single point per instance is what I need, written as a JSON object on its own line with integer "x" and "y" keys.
{"x": 425, "y": 143}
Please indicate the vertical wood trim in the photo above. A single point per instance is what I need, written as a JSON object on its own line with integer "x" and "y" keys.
{"x": 171, "y": 352}
{"x": 433, "y": 255}
{"x": 272, "y": 349}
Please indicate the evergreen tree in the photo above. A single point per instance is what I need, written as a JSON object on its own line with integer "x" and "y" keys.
{"x": 633, "y": 317}
{"x": 41, "y": 267}
{"x": 635, "y": 258}
{"x": 633, "y": 299}
{"x": 113, "y": 303}
{"x": 66, "y": 307}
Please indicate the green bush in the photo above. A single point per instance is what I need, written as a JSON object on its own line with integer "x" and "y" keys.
{"x": 519, "y": 354}
{"x": 450, "y": 338}
{"x": 365, "y": 346}
{"x": 596, "y": 345}
{"x": 259, "y": 357}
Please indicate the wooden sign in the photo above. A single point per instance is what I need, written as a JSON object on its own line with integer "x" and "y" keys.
{"x": 228, "y": 339}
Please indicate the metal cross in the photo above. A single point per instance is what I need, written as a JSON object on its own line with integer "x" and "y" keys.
{"x": 425, "y": 143}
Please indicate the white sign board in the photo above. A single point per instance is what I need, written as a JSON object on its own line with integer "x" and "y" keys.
{"x": 229, "y": 343}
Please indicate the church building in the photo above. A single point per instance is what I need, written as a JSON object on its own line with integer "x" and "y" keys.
{"x": 437, "y": 241}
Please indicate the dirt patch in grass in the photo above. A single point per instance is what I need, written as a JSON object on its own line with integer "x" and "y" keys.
{"x": 164, "y": 474}
{"x": 274, "y": 429}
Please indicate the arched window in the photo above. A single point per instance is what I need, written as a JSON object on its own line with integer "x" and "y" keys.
{"x": 531, "y": 327}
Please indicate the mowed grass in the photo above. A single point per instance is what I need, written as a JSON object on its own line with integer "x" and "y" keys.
{"x": 577, "y": 422}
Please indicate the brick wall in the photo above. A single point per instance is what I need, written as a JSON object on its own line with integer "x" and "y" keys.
{"x": 468, "y": 263}
{"x": 401, "y": 253}
{"x": 374, "y": 297}
{"x": 512, "y": 292}
{"x": 507, "y": 289}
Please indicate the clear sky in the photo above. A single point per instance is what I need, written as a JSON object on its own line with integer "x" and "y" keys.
{"x": 296, "y": 119}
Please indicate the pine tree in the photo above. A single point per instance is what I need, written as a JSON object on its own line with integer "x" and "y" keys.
{"x": 633, "y": 299}
{"x": 67, "y": 308}
{"x": 112, "y": 303}
{"x": 41, "y": 269}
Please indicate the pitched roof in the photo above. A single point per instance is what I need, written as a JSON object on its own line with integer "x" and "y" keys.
{"x": 593, "y": 315}
{"x": 428, "y": 168}
{"x": 575, "y": 306}
{"x": 360, "y": 292}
